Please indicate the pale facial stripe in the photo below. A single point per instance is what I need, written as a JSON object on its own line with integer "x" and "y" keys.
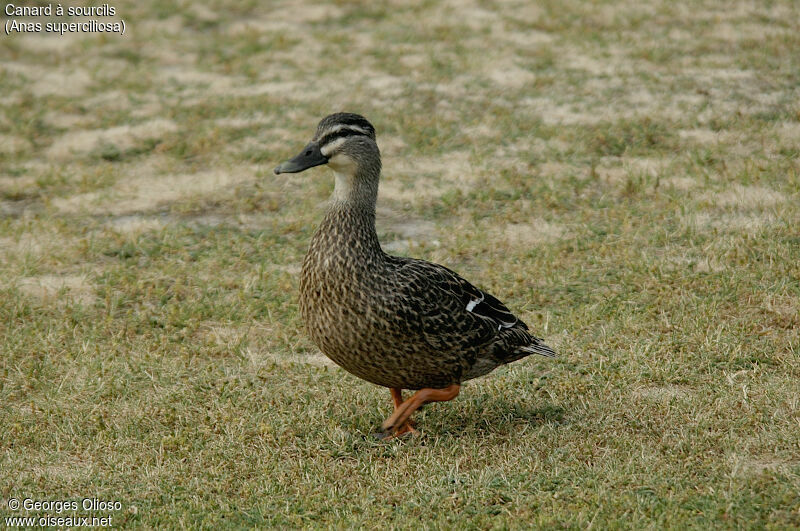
{"x": 339, "y": 127}
{"x": 332, "y": 146}
{"x": 333, "y": 137}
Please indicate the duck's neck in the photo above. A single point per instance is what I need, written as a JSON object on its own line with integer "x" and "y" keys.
{"x": 355, "y": 190}
{"x": 350, "y": 220}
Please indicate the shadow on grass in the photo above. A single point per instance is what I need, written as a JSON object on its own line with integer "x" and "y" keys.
{"x": 471, "y": 422}
{"x": 498, "y": 418}
{"x": 503, "y": 417}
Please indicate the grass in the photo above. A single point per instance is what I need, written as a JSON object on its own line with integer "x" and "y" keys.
{"x": 624, "y": 176}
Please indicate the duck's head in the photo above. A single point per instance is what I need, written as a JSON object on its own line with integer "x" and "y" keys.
{"x": 344, "y": 141}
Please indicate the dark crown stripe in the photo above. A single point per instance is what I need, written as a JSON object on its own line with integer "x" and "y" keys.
{"x": 347, "y": 118}
{"x": 356, "y": 120}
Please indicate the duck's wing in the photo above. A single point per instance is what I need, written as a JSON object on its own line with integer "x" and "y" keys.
{"x": 450, "y": 311}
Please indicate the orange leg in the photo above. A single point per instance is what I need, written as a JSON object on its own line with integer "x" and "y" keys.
{"x": 397, "y": 396}
{"x": 402, "y": 412}
{"x": 408, "y": 426}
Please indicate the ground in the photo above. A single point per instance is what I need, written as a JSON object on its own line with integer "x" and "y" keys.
{"x": 624, "y": 175}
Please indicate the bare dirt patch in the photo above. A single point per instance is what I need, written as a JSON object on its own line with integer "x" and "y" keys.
{"x": 47, "y": 288}
{"x": 260, "y": 350}
{"x": 11, "y": 145}
{"x": 407, "y": 180}
{"x": 263, "y": 357}
{"x": 747, "y": 197}
{"x": 136, "y": 223}
{"x": 146, "y": 192}
{"x": 533, "y": 233}
{"x": 61, "y": 83}
{"x": 728, "y": 222}
{"x": 407, "y": 231}
{"x": 752, "y": 465}
{"x": 662, "y": 393}
{"x": 679, "y": 182}
{"x": 199, "y": 83}
{"x": 123, "y": 137}
{"x": 702, "y": 136}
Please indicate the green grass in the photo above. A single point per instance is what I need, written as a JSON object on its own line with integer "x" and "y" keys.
{"x": 625, "y": 176}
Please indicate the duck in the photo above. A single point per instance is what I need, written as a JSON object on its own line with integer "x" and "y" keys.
{"x": 395, "y": 321}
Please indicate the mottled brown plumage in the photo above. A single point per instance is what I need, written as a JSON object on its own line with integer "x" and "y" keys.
{"x": 397, "y": 322}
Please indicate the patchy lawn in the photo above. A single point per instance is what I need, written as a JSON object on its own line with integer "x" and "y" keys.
{"x": 625, "y": 175}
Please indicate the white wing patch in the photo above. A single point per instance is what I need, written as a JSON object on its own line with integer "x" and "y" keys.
{"x": 471, "y": 304}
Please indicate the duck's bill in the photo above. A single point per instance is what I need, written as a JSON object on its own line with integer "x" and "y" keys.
{"x": 308, "y": 158}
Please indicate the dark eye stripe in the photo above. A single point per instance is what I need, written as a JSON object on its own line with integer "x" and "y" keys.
{"x": 341, "y": 133}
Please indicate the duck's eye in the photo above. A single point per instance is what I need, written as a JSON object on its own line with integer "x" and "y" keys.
{"x": 308, "y": 152}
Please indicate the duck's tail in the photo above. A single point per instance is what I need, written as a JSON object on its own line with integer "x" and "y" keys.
{"x": 537, "y": 347}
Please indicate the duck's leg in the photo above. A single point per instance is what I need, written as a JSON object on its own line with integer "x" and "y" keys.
{"x": 420, "y": 398}
{"x": 397, "y": 396}
{"x": 408, "y": 425}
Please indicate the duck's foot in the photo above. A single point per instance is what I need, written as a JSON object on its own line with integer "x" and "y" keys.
{"x": 407, "y": 427}
{"x": 406, "y": 430}
{"x": 401, "y": 414}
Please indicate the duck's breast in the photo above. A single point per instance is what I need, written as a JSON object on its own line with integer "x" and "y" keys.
{"x": 357, "y": 319}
